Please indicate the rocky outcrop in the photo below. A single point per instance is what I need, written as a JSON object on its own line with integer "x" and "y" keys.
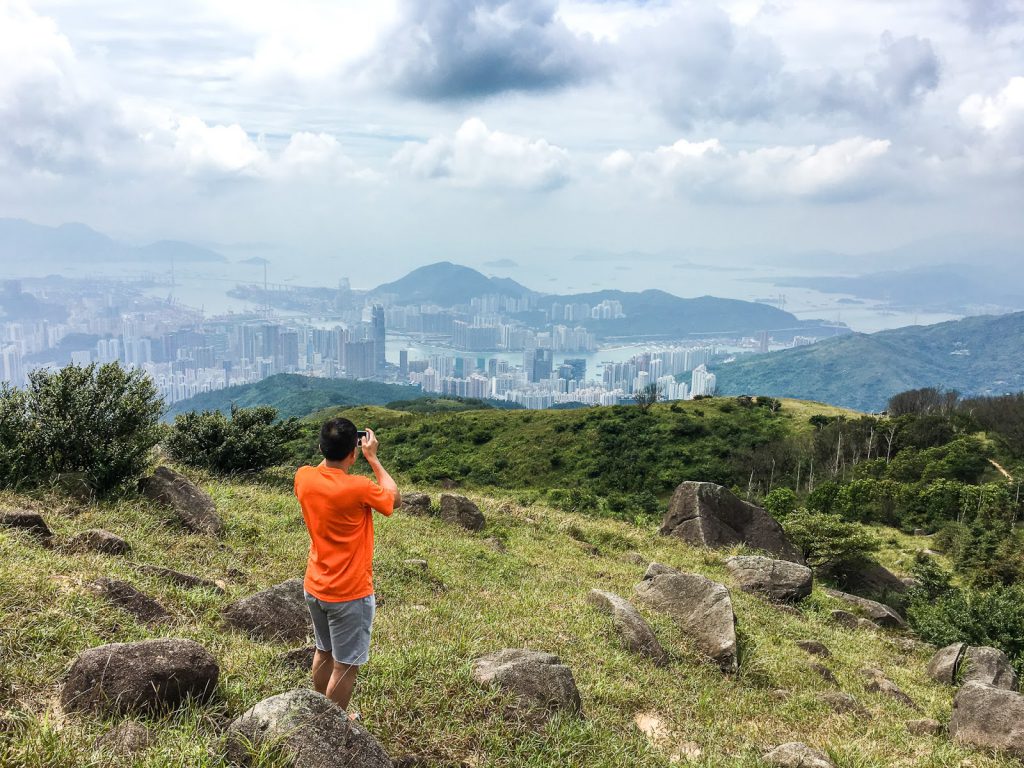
{"x": 461, "y": 511}
{"x": 700, "y": 607}
{"x": 709, "y": 515}
{"x": 988, "y": 717}
{"x": 186, "y": 580}
{"x": 796, "y": 754}
{"x": 191, "y": 505}
{"x": 308, "y": 728}
{"x": 538, "y": 681}
{"x": 123, "y": 595}
{"x": 635, "y": 633}
{"x": 779, "y": 580}
{"x": 962, "y": 663}
{"x": 98, "y": 540}
{"x": 277, "y": 613}
{"x": 136, "y": 677}
{"x": 882, "y": 615}
{"x": 25, "y": 520}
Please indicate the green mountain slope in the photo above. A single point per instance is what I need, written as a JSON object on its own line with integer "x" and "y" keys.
{"x": 295, "y": 395}
{"x": 977, "y": 355}
{"x": 448, "y": 284}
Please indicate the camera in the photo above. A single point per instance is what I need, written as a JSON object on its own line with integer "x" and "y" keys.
{"x": 360, "y": 436}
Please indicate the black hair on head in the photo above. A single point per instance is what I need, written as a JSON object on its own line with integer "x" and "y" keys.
{"x": 337, "y": 439}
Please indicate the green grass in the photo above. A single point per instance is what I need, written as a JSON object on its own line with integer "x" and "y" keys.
{"x": 416, "y": 695}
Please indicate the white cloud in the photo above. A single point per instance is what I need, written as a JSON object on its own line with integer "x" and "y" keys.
{"x": 847, "y": 169}
{"x": 996, "y": 126}
{"x": 1003, "y": 112}
{"x": 476, "y": 156}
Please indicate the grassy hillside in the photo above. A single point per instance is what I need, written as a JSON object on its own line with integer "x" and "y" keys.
{"x": 977, "y": 356}
{"x": 295, "y": 395}
{"x": 521, "y": 582}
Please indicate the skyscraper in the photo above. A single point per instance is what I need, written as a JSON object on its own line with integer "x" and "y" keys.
{"x": 379, "y": 337}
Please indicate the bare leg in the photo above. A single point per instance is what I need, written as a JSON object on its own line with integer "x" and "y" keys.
{"x": 342, "y": 683}
{"x": 323, "y": 665}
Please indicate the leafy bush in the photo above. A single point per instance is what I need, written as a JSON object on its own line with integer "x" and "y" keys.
{"x": 101, "y": 421}
{"x": 249, "y": 440}
{"x": 828, "y": 541}
{"x": 780, "y": 503}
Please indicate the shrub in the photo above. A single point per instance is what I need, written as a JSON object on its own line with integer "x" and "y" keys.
{"x": 780, "y": 502}
{"x": 101, "y": 421}
{"x": 250, "y": 440}
{"x": 828, "y": 541}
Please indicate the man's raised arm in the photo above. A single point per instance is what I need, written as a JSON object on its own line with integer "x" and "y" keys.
{"x": 369, "y": 446}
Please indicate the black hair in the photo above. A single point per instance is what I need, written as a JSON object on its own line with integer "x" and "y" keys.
{"x": 337, "y": 439}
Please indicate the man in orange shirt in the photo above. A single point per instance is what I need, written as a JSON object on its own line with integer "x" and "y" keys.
{"x": 338, "y": 510}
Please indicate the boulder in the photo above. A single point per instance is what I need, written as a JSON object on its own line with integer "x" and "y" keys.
{"x": 945, "y": 664}
{"x": 192, "y": 505}
{"x": 982, "y": 664}
{"x": 879, "y": 683}
{"x": 867, "y": 578}
{"x": 882, "y": 615}
{"x": 123, "y": 595}
{"x": 276, "y": 613}
{"x": 659, "y": 569}
{"x": 538, "y": 681}
{"x": 416, "y": 503}
{"x": 186, "y": 580}
{"x": 462, "y": 511}
{"x": 24, "y": 520}
{"x": 796, "y": 754}
{"x": 700, "y": 607}
{"x": 308, "y": 728}
{"x": 125, "y": 739}
{"x": 814, "y": 647}
{"x": 988, "y": 717}
{"x": 779, "y": 580}
{"x": 120, "y": 678}
{"x": 635, "y": 633}
{"x": 98, "y": 540}
{"x": 924, "y": 727}
{"x": 709, "y": 515}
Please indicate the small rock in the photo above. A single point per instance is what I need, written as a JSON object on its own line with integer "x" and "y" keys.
{"x": 311, "y": 730}
{"x": 945, "y": 663}
{"x": 701, "y": 608}
{"x": 824, "y": 672}
{"x": 536, "y": 680}
{"x": 24, "y": 520}
{"x": 882, "y": 615}
{"x": 781, "y": 694}
{"x": 796, "y": 754}
{"x": 98, "y": 540}
{"x": 193, "y": 507}
{"x": 635, "y": 633}
{"x": 841, "y": 702}
{"x": 416, "y": 563}
{"x": 659, "y": 569}
{"x": 879, "y": 683}
{"x": 276, "y": 613}
{"x": 497, "y": 545}
{"x": 416, "y": 503}
{"x": 298, "y": 657}
{"x": 125, "y": 739}
{"x": 462, "y": 511}
{"x": 814, "y": 647}
{"x": 925, "y": 727}
{"x": 776, "y": 579}
{"x": 845, "y": 619}
{"x": 982, "y": 664}
{"x": 988, "y": 717}
{"x": 135, "y": 677}
{"x": 186, "y": 580}
{"x": 635, "y": 557}
{"x": 660, "y": 736}
{"x": 123, "y": 595}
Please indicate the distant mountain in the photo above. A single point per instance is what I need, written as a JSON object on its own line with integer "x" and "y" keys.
{"x": 976, "y": 355}
{"x": 20, "y": 239}
{"x": 295, "y": 395}
{"x": 448, "y": 284}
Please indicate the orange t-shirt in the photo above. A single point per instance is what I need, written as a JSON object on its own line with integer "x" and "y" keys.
{"x": 338, "y": 510}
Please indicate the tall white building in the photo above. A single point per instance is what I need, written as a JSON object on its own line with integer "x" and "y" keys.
{"x": 702, "y": 381}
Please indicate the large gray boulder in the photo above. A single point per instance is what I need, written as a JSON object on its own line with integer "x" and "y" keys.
{"x": 136, "y": 677}
{"x": 882, "y": 615}
{"x": 635, "y": 633}
{"x": 944, "y": 665}
{"x": 538, "y": 681}
{"x": 277, "y": 613}
{"x": 867, "y": 579}
{"x": 461, "y": 511}
{"x": 991, "y": 666}
{"x": 309, "y": 728}
{"x": 709, "y": 515}
{"x": 700, "y": 607}
{"x": 796, "y": 754}
{"x": 26, "y": 520}
{"x": 192, "y": 505}
{"x": 779, "y": 580}
{"x": 988, "y": 717}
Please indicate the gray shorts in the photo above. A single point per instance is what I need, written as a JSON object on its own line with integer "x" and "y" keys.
{"x": 343, "y": 629}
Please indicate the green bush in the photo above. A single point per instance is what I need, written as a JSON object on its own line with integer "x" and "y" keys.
{"x": 828, "y": 541}
{"x": 250, "y": 440}
{"x": 780, "y": 502}
{"x": 101, "y": 421}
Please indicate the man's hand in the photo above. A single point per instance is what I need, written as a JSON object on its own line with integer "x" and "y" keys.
{"x": 369, "y": 445}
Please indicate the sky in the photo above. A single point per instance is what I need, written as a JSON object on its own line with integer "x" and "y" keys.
{"x": 390, "y": 134}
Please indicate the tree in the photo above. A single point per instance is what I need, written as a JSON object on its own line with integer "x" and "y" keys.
{"x": 250, "y": 440}
{"x": 646, "y": 397}
{"x": 921, "y": 401}
{"x": 827, "y": 541}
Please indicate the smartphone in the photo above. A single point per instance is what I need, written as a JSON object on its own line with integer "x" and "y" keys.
{"x": 360, "y": 436}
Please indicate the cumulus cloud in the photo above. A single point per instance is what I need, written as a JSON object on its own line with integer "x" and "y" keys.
{"x": 461, "y": 49}
{"x": 847, "y": 169}
{"x": 987, "y": 15}
{"x": 996, "y": 126}
{"x": 476, "y": 156}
